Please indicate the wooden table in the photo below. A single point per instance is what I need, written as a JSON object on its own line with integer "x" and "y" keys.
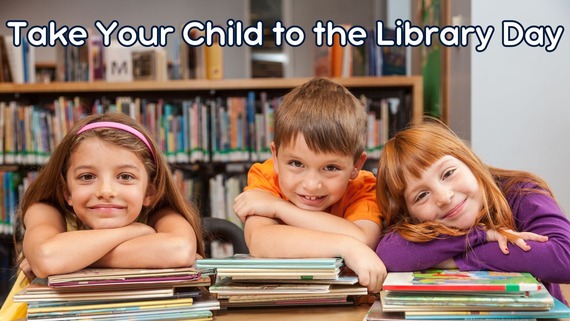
{"x": 340, "y": 313}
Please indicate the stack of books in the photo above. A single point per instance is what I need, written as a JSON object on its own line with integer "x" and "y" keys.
{"x": 244, "y": 281}
{"x": 121, "y": 294}
{"x": 460, "y": 295}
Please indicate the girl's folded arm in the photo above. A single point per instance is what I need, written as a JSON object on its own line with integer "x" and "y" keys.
{"x": 399, "y": 254}
{"x": 549, "y": 261}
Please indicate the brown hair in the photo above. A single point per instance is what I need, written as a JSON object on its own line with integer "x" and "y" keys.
{"x": 412, "y": 151}
{"x": 50, "y": 185}
{"x": 328, "y": 116}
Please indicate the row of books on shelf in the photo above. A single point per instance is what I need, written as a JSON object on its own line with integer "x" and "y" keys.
{"x": 113, "y": 63}
{"x": 13, "y": 185}
{"x": 198, "y": 130}
{"x": 17, "y": 64}
{"x": 117, "y": 63}
{"x": 368, "y": 59}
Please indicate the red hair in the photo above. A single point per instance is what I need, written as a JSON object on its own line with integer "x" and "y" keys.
{"x": 412, "y": 151}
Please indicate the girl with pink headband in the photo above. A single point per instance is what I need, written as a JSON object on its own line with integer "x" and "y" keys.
{"x": 105, "y": 198}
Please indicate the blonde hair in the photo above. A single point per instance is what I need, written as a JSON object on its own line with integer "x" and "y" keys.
{"x": 50, "y": 185}
{"x": 328, "y": 116}
{"x": 412, "y": 151}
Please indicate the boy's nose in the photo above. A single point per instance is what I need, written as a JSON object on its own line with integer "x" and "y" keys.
{"x": 312, "y": 182}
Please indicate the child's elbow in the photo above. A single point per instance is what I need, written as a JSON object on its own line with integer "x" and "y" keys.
{"x": 45, "y": 263}
{"x": 44, "y": 268}
{"x": 255, "y": 247}
{"x": 183, "y": 252}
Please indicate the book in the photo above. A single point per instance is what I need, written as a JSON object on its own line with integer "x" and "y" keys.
{"x": 322, "y": 62}
{"x": 103, "y": 275}
{"x": 558, "y": 310}
{"x": 455, "y": 280}
{"x": 246, "y": 261}
{"x": 118, "y": 63}
{"x": 149, "y": 64}
{"x": 228, "y": 287}
{"x": 168, "y": 313}
{"x": 40, "y": 292}
{"x": 278, "y": 275}
{"x": 375, "y": 313}
{"x": 153, "y": 303}
{"x": 214, "y": 60}
{"x": 458, "y": 301}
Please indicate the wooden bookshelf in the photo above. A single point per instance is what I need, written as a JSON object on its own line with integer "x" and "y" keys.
{"x": 412, "y": 83}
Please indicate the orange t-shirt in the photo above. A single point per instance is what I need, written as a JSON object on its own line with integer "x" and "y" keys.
{"x": 358, "y": 202}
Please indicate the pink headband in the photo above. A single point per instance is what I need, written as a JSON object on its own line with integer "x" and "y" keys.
{"x": 110, "y": 124}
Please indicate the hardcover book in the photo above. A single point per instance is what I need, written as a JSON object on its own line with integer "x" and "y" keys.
{"x": 559, "y": 310}
{"x": 375, "y": 313}
{"x": 109, "y": 275}
{"x": 474, "y": 301}
{"x": 246, "y": 261}
{"x": 455, "y": 280}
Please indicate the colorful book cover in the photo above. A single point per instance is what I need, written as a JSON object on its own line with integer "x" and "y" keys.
{"x": 455, "y": 280}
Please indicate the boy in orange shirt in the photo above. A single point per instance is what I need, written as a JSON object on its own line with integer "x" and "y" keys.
{"x": 311, "y": 199}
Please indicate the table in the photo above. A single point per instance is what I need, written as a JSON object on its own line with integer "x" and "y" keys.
{"x": 338, "y": 313}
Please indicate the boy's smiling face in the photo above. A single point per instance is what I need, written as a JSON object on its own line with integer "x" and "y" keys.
{"x": 313, "y": 181}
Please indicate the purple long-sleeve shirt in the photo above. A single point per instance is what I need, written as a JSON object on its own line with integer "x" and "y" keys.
{"x": 534, "y": 212}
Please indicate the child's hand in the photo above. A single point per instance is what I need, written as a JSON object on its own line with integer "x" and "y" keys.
{"x": 367, "y": 265}
{"x": 141, "y": 229}
{"x": 256, "y": 202}
{"x": 447, "y": 264}
{"x": 27, "y": 269}
{"x": 517, "y": 238}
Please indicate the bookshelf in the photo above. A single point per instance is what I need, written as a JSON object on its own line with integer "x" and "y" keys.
{"x": 412, "y": 83}
{"x": 408, "y": 89}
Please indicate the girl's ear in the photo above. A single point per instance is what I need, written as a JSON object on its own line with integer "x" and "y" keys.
{"x": 150, "y": 192}
{"x": 67, "y": 197}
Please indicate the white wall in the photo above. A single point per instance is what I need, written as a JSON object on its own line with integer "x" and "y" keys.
{"x": 520, "y": 97}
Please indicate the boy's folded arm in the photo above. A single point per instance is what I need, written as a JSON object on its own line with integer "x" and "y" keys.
{"x": 267, "y": 238}
{"x": 365, "y": 231}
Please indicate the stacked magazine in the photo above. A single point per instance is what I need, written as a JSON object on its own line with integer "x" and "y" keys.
{"x": 121, "y": 294}
{"x": 244, "y": 281}
{"x": 462, "y": 295}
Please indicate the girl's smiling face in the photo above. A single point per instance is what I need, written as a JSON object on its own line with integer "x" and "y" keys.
{"x": 447, "y": 192}
{"x": 107, "y": 185}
